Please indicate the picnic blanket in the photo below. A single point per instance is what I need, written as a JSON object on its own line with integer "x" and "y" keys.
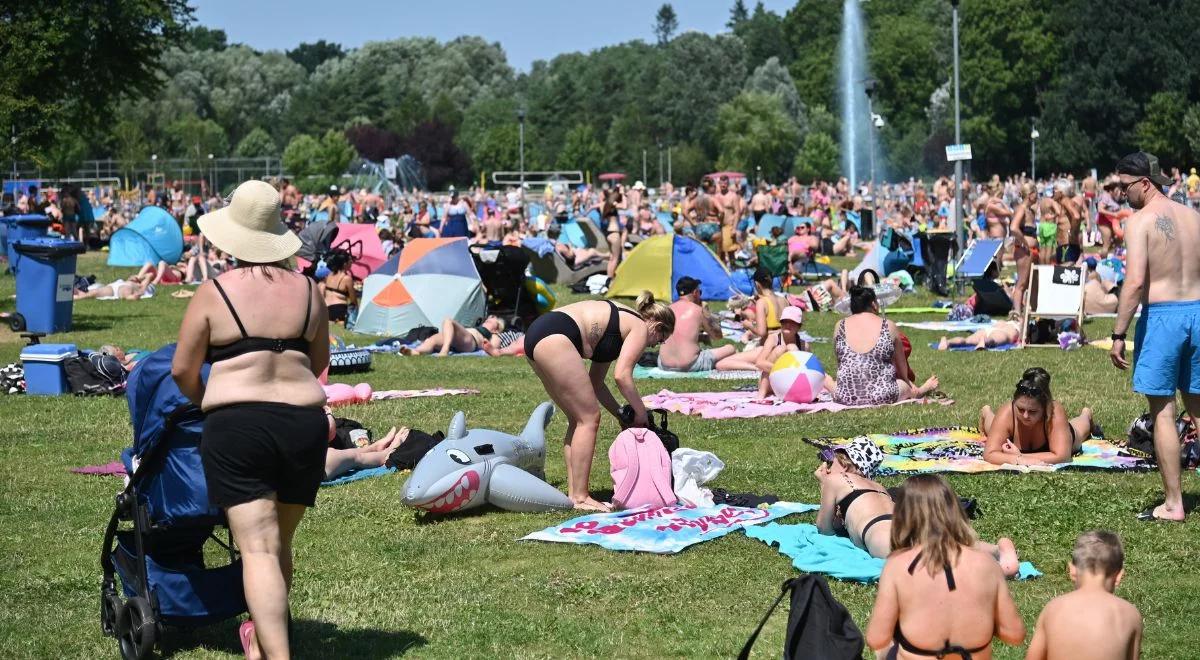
{"x": 960, "y": 449}
{"x": 968, "y": 347}
{"x": 835, "y": 556}
{"x": 116, "y": 469}
{"x": 416, "y": 394}
{"x": 747, "y": 405}
{"x": 663, "y": 530}
{"x": 917, "y": 310}
{"x": 654, "y": 372}
{"x": 946, "y": 326}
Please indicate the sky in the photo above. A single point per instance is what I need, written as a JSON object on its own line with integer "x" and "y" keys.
{"x": 528, "y": 30}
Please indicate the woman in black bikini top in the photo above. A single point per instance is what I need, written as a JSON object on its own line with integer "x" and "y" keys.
{"x": 556, "y": 345}
{"x": 844, "y": 478}
{"x": 931, "y": 533}
{"x": 1033, "y": 429}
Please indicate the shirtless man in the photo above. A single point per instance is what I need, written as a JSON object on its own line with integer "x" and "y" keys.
{"x": 708, "y": 211}
{"x": 1070, "y": 238}
{"x": 1090, "y": 622}
{"x": 1168, "y": 289}
{"x": 729, "y": 206}
{"x": 681, "y": 351}
{"x": 760, "y": 202}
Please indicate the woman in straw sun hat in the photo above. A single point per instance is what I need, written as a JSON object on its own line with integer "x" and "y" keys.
{"x": 265, "y": 331}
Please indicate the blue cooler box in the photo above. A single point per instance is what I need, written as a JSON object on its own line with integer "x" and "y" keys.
{"x": 44, "y": 372}
{"x": 45, "y": 269}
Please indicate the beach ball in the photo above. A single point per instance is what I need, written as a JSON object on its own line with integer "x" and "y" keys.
{"x": 797, "y": 376}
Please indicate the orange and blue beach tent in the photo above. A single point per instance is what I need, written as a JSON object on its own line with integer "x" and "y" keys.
{"x": 431, "y": 280}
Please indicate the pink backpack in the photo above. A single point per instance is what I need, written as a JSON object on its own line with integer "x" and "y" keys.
{"x": 641, "y": 470}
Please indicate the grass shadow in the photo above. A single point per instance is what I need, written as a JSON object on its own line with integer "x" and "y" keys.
{"x": 310, "y": 639}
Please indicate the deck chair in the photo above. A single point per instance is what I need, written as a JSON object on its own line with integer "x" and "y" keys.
{"x": 595, "y": 237}
{"x": 553, "y": 269}
{"x": 1054, "y": 292}
{"x": 975, "y": 261}
{"x": 774, "y": 258}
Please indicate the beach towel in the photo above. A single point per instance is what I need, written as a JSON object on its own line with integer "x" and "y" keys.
{"x": 712, "y": 374}
{"x": 917, "y": 310}
{"x": 946, "y": 326}
{"x": 968, "y": 347}
{"x": 960, "y": 449}
{"x": 747, "y": 405}
{"x": 116, "y": 469}
{"x": 665, "y": 530}
{"x": 416, "y": 394}
{"x": 835, "y": 556}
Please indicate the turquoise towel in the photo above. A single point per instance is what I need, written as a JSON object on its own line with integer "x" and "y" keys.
{"x": 836, "y": 556}
{"x": 359, "y": 474}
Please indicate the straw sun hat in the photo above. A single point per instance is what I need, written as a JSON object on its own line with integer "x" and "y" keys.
{"x": 250, "y": 227}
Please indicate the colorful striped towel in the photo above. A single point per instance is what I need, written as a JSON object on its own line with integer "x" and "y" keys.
{"x": 960, "y": 449}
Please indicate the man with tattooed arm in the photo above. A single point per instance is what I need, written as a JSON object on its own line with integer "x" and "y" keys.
{"x": 1163, "y": 276}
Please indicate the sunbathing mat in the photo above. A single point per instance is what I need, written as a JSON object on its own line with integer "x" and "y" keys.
{"x": 835, "y": 556}
{"x": 917, "y": 310}
{"x": 663, "y": 530}
{"x": 946, "y": 326}
{"x": 654, "y": 372}
{"x": 417, "y": 394}
{"x": 747, "y": 405}
{"x": 969, "y": 348}
{"x": 116, "y": 469}
{"x": 960, "y": 449}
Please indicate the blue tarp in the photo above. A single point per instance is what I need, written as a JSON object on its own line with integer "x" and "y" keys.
{"x": 153, "y": 236}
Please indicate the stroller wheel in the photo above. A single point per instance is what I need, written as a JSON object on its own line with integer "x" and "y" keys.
{"x": 112, "y": 614}
{"x": 141, "y": 634}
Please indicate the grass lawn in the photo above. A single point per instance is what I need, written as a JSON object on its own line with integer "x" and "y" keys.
{"x": 375, "y": 580}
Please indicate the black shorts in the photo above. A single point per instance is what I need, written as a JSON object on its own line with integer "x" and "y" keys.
{"x": 338, "y": 312}
{"x": 251, "y": 450}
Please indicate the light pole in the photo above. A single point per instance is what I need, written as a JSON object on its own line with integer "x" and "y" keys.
{"x": 153, "y": 169}
{"x": 669, "y": 164}
{"x": 876, "y": 122}
{"x": 643, "y": 165}
{"x": 1033, "y": 137}
{"x": 521, "y": 132}
{"x": 661, "y": 180}
{"x": 212, "y": 175}
{"x": 958, "y": 201}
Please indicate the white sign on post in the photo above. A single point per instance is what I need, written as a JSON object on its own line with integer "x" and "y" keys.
{"x": 958, "y": 152}
{"x": 389, "y": 167}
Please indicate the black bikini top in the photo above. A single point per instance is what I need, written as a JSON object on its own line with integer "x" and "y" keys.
{"x": 947, "y": 649}
{"x": 843, "y": 505}
{"x": 609, "y": 346}
{"x": 248, "y": 344}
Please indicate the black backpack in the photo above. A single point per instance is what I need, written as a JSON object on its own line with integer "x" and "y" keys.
{"x": 95, "y": 374}
{"x": 669, "y": 439}
{"x": 818, "y": 625}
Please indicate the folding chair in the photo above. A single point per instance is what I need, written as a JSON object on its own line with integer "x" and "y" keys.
{"x": 1055, "y": 292}
{"x": 976, "y": 260}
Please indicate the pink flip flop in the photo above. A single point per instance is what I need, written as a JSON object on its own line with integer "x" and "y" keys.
{"x": 245, "y": 632}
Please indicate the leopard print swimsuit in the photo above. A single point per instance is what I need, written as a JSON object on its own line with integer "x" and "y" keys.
{"x": 866, "y": 379}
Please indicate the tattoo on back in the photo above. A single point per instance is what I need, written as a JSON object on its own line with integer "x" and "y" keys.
{"x": 595, "y": 333}
{"x": 1165, "y": 226}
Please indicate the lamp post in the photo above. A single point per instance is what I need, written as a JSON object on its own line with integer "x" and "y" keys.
{"x": 958, "y": 201}
{"x": 661, "y": 180}
{"x": 521, "y": 132}
{"x": 876, "y": 123}
{"x": 212, "y": 175}
{"x": 669, "y": 164}
{"x": 1033, "y": 137}
{"x": 153, "y": 169}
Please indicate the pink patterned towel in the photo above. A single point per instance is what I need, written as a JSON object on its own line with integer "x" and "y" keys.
{"x": 745, "y": 405}
{"x": 413, "y": 394}
{"x": 114, "y": 469}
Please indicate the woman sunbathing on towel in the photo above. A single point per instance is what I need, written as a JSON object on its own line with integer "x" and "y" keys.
{"x": 1034, "y": 428}
{"x": 482, "y": 337}
{"x": 859, "y": 508}
{"x": 341, "y": 461}
{"x": 136, "y": 288}
{"x": 1000, "y": 334}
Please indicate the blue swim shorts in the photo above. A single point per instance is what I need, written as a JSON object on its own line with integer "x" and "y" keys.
{"x": 1166, "y": 355}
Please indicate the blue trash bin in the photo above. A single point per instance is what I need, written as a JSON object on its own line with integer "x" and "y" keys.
{"x": 45, "y": 269}
{"x": 15, "y": 228}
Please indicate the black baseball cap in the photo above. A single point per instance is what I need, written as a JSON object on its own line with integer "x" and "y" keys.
{"x": 686, "y": 285}
{"x": 1140, "y": 163}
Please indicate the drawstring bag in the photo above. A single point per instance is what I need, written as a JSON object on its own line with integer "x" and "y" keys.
{"x": 818, "y": 625}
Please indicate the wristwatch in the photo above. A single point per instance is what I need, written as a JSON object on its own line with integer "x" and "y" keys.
{"x": 1117, "y": 337}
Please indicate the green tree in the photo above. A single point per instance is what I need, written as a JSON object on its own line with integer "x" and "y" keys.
{"x": 256, "y": 144}
{"x": 195, "y": 138}
{"x": 755, "y": 131}
{"x": 64, "y": 156}
{"x": 665, "y": 24}
{"x": 498, "y": 150}
{"x": 812, "y": 29}
{"x": 336, "y": 153}
{"x": 737, "y": 15}
{"x": 1191, "y": 129}
{"x": 203, "y": 38}
{"x": 581, "y": 150}
{"x": 302, "y": 157}
{"x": 689, "y": 163}
{"x": 772, "y": 78}
{"x": 763, "y": 35}
{"x": 821, "y": 120}
{"x": 312, "y": 55}
{"x": 817, "y": 159}
{"x": 1162, "y": 132}
{"x": 129, "y": 145}
{"x": 66, "y": 64}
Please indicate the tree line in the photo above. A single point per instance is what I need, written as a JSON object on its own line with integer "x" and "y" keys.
{"x": 762, "y": 95}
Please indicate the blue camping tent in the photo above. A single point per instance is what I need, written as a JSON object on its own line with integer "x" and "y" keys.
{"x": 658, "y": 263}
{"x": 153, "y": 236}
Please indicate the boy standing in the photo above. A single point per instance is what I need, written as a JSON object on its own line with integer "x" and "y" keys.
{"x": 1090, "y": 622}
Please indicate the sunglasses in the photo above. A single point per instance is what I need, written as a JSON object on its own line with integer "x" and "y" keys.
{"x": 1029, "y": 390}
{"x": 1124, "y": 187}
{"x": 826, "y": 455}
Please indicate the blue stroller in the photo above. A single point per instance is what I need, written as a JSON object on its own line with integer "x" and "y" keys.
{"x": 162, "y": 520}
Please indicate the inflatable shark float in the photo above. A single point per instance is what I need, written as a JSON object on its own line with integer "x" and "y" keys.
{"x": 471, "y": 468}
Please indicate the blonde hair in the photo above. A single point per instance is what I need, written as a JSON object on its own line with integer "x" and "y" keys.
{"x": 929, "y": 516}
{"x": 738, "y": 302}
{"x": 1098, "y": 551}
{"x": 1027, "y": 188}
{"x": 655, "y": 311}
{"x": 843, "y": 459}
